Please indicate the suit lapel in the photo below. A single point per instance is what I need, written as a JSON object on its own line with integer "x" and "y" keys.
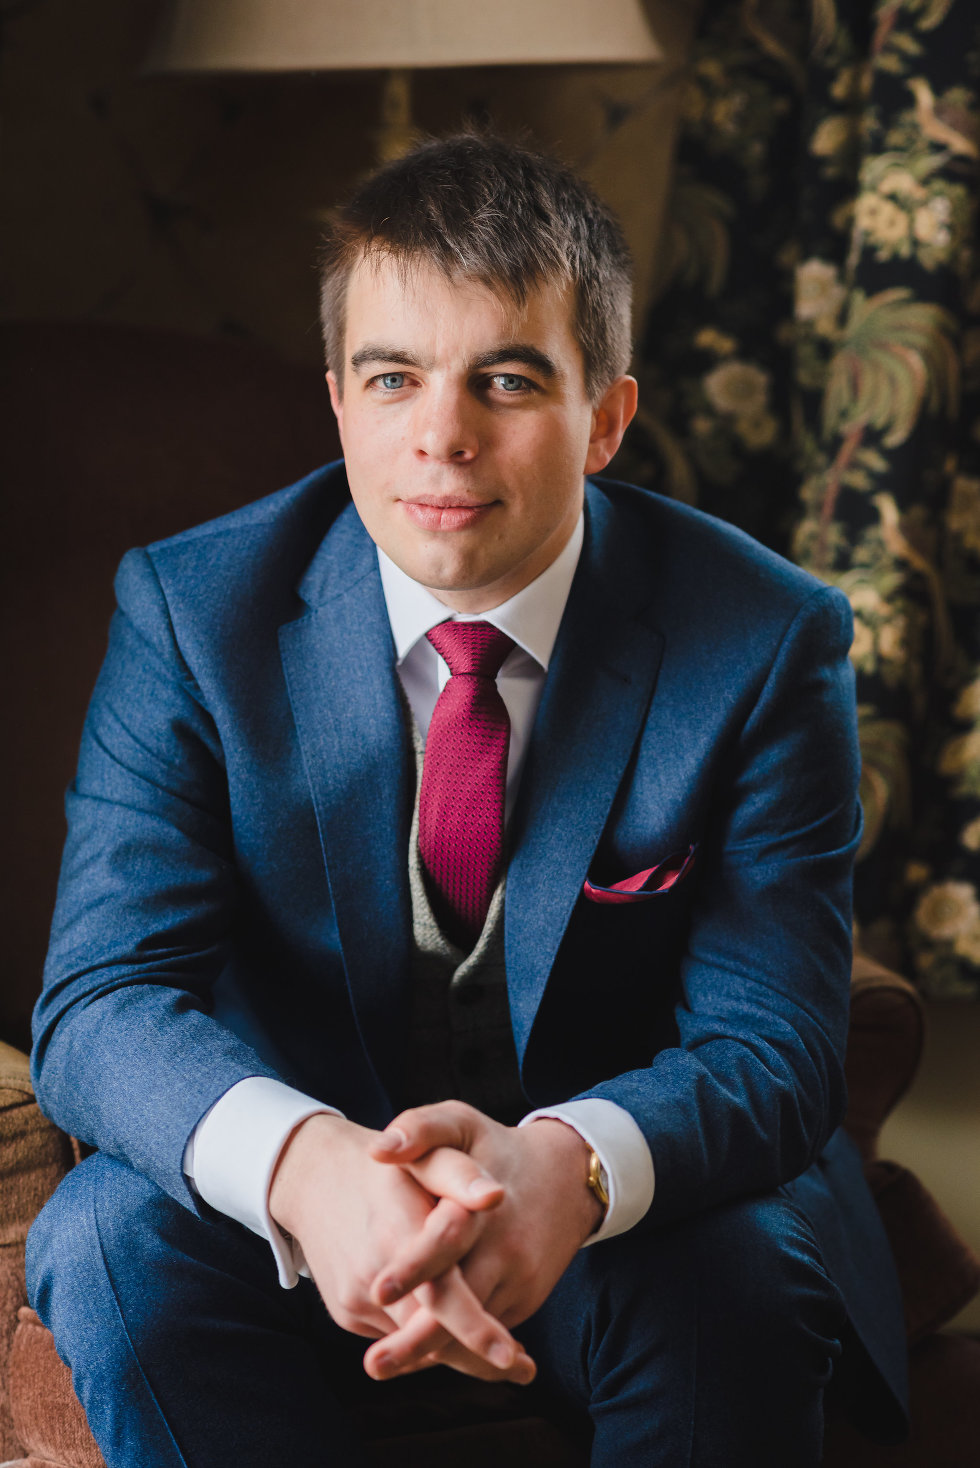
{"x": 339, "y": 663}
{"x": 599, "y": 686}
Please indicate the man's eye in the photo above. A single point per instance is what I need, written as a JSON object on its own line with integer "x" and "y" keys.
{"x": 510, "y": 381}
{"x": 392, "y": 381}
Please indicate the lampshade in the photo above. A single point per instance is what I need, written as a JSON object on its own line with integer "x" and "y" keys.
{"x": 341, "y": 35}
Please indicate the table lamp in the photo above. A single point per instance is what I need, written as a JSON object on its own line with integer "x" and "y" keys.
{"x": 397, "y": 37}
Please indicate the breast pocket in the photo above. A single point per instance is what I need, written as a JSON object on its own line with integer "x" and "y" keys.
{"x": 647, "y": 885}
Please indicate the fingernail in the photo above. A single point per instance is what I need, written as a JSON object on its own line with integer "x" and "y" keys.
{"x": 482, "y": 1187}
{"x": 390, "y": 1291}
{"x": 383, "y": 1363}
{"x": 391, "y": 1140}
{"x": 501, "y": 1355}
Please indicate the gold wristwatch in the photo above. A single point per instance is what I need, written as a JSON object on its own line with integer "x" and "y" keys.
{"x": 598, "y": 1181}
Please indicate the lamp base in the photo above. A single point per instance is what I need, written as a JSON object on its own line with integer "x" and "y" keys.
{"x": 396, "y": 133}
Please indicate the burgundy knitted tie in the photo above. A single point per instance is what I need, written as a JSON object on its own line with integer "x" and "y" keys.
{"x": 464, "y": 777}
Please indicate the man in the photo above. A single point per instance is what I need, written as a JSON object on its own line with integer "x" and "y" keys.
{"x": 531, "y": 802}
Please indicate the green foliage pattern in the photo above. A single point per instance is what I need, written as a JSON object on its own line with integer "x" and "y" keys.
{"x": 811, "y": 371}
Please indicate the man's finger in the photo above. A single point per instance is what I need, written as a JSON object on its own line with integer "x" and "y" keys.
{"x": 445, "y": 1124}
{"x": 521, "y": 1373}
{"x": 408, "y": 1348}
{"x": 446, "y": 1236}
{"x": 450, "y": 1300}
{"x": 448, "y": 1173}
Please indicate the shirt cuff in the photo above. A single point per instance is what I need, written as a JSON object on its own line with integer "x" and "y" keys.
{"x": 623, "y": 1151}
{"x": 232, "y": 1153}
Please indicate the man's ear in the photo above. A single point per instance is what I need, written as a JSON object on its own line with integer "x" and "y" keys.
{"x": 610, "y": 419}
{"x": 336, "y": 402}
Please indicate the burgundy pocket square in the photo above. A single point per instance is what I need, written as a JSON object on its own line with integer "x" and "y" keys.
{"x": 644, "y": 885}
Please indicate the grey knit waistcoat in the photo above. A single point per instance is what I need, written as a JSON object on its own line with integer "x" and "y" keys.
{"x": 460, "y": 1041}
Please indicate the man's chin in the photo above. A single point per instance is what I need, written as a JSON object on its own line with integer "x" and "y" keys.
{"x": 456, "y": 582}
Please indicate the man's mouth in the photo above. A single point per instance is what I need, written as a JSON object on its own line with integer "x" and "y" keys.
{"x": 446, "y": 514}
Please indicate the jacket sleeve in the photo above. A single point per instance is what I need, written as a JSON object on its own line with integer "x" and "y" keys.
{"x": 126, "y": 1054}
{"x": 755, "y": 1086}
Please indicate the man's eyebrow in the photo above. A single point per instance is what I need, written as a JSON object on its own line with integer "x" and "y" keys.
{"x": 518, "y": 352}
{"x": 374, "y": 352}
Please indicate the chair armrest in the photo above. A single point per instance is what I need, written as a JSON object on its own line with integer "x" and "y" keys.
{"x": 15, "y": 1069}
{"x": 938, "y": 1270}
{"x": 884, "y": 1048}
{"x": 34, "y": 1154}
{"x": 34, "y": 1157}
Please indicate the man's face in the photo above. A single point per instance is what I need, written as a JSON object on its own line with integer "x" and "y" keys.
{"x": 466, "y": 428}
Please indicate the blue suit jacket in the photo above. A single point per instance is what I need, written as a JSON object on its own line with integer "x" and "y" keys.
{"x": 234, "y": 893}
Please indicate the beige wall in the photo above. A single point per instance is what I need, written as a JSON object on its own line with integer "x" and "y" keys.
{"x": 192, "y": 202}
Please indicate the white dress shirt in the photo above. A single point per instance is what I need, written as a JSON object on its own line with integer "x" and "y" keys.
{"x": 232, "y": 1153}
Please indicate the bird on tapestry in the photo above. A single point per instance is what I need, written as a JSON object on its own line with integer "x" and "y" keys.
{"x": 943, "y": 123}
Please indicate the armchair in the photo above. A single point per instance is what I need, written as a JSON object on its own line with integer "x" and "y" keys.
{"x": 156, "y": 431}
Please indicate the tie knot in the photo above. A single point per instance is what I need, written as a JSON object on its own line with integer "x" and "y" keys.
{"x": 471, "y": 647}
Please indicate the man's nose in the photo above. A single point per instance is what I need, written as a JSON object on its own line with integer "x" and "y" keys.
{"x": 445, "y": 425}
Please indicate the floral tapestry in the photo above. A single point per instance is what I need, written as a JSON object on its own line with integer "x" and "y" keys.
{"x": 811, "y": 371}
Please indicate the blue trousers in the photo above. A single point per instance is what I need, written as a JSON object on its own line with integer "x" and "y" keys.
{"x": 707, "y": 1343}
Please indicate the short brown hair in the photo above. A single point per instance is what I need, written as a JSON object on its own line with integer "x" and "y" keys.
{"x": 480, "y": 207}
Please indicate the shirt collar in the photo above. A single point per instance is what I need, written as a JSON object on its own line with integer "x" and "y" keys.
{"x": 531, "y": 618}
